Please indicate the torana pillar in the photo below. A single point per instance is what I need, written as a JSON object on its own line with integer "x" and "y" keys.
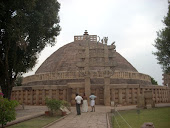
{"x": 107, "y": 91}
{"x": 87, "y": 87}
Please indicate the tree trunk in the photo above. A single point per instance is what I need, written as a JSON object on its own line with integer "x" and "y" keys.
{"x": 8, "y": 78}
{"x": 7, "y": 90}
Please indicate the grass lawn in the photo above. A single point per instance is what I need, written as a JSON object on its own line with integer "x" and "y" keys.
{"x": 159, "y": 116}
{"x": 38, "y": 122}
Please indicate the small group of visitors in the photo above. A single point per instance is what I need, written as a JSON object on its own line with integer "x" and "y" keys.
{"x": 83, "y": 99}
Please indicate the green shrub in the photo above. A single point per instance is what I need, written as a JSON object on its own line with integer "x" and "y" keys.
{"x": 53, "y": 104}
{"x": 7, "y": 110}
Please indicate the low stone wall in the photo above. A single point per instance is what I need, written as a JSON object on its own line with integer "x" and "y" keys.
{"x": 128, "y": 94}
{"x": 120, "y": 94}
{"x": 64, "y": 75}
{"x": 36, "y": 95}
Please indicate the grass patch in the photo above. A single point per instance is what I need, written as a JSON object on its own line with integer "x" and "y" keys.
{"x": 38, "y": 122}
{"x": 159, "y": 116}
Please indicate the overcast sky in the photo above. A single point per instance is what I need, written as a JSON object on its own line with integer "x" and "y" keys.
{"x": 132, "y": 24}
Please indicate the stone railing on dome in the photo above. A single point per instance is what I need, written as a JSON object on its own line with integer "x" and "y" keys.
{"x": 131, "y": 75}
{"x": 91, "y": 38}
{"x": 82, "y": 74}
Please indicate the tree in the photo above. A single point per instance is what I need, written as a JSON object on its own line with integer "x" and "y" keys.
{"x": 162, "y": 44}
{"x": 18, "y": 81}
{"x": 26, "y": 27}
{"x": 153, "y": 81}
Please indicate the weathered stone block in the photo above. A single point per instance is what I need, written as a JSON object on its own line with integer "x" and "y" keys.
{"x": 141, "y": 101}
{"x": 148, "y": 125}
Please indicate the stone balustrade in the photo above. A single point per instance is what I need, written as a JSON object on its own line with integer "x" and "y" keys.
{"x": 121, "y": 94}
{"x": 92, "y": 38}
{"x": 82, "y": 74}
{"x": 131, "y": 75}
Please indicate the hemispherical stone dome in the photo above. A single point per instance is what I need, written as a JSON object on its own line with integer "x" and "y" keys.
{"x": 65, "y": 59}
{"x": 86, "y": 58}
{"x": 86, "y": 66}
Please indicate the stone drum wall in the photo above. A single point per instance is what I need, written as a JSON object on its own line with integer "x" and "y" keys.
{"x": 120, "y": 94}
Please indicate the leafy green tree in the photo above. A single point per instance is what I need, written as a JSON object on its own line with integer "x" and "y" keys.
{"x": 26, "y": 27}
{"x": 162, "y": 44}
{"x": 153, "y": 81}
{"x": 7, "y": 110}
{"x": 18, "y": 81}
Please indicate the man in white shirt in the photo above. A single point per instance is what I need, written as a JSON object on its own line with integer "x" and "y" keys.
{"x": 78, "y": 102}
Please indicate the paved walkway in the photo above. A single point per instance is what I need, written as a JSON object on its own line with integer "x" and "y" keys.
{"x": 95, "y": 119}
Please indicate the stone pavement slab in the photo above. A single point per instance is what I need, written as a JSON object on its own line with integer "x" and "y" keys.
{"x": 95, "y": 119}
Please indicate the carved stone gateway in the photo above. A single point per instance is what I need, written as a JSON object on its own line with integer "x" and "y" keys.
{"x": 88, "y": 65}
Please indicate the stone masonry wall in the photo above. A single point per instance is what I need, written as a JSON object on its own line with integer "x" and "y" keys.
{"x": 120, "y": 94}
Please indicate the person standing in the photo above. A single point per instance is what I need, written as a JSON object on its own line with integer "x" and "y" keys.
{"x": 85, "y": 104}
{"x": 78, "y": 103}
{"x": 92, "y": 102}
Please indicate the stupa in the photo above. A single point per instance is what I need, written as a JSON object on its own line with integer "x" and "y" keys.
{"x": 87, "y": 65}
